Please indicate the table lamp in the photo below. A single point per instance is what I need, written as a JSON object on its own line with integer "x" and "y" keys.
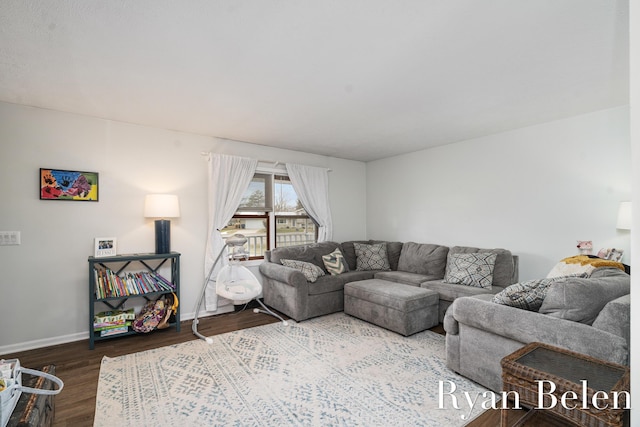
{"x": 162, "y": 206}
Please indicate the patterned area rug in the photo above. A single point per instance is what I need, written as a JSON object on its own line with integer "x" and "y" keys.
{"x": 332, "y": 370}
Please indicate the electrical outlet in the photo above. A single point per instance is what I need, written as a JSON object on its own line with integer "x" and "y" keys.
{"x": 8, "y": 238}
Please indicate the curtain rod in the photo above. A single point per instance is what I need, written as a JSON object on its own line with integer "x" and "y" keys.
{"x": 206, "y": 153}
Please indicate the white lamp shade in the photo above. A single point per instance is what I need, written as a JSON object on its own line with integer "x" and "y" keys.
{"x": 161, "y": 206}
{"x": 624, "y": 216}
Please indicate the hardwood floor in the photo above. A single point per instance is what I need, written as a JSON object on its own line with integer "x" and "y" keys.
{"x": 79, "y": 367}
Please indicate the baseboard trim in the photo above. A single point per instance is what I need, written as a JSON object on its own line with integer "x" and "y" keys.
{"x": 65, "y": 339}
{"x": 45, "y": 342}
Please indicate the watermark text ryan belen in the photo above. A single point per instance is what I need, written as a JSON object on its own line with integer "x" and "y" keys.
{"x": 599, "y": 400}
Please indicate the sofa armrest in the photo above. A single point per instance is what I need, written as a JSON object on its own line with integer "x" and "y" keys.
{"x": 528, "y": 326}
{"x": 450, "y": 324}
{"x": 284, "y": 274}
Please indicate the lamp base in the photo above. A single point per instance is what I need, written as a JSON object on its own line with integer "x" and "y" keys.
{"x": 163, "y": 236}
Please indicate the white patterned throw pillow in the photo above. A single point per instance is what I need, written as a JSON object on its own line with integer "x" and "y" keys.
{"x": 335, "y": 262}
{"x": 471, "y": 269}
{"x": 527, "y": 295}
{"x": 371, "y": 257}
{"x": 311, "y": 271}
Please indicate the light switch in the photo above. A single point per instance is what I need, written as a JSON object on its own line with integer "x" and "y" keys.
{"x": 8, "y": 238}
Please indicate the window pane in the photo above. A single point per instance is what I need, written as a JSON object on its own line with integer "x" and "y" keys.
{"x": 295, "y": 230}
{"x": 285, "y": 198}
{"x": 254, "y": 229}
{"x": 257, "y": 197}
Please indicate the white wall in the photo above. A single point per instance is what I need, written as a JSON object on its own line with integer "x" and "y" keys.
{"x": 43, "y": 282}
{"x": 535, "y": 191}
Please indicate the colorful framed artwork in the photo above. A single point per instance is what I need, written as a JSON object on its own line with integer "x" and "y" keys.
{"x": 60, "y": 184}
{"x": 104, "y": 246}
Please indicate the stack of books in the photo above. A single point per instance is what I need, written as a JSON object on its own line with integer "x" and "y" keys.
{"x": 113, "y": 322}
{"x": 109, "y": 284}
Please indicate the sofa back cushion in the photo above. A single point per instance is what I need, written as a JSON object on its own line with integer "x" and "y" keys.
{"x": 504, "y": 270}
{"x": 423, "y": 258}
{"x": 581, "y": 300}
{"x": 308, "y": 253}
{"x": 615, "y": 317}
{"x": 393, "y": 252}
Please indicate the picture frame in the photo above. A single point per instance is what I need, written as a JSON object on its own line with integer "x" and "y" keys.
{"x": 611, "y": 254}
{"x": 104, "y": 246}
{"x": 63, "y": 184}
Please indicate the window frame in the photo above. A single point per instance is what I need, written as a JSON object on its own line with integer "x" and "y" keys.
{"x": 266, "y": 216}
{"x": 307, "y": 217}
{"x": 268, "y": 194}
{"x": 269, "y": 214}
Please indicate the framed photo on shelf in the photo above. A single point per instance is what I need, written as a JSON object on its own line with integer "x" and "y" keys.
{"x": 104, "y": 246}
{"x": 611, "y": 254}
{"x": 60, "y": 184}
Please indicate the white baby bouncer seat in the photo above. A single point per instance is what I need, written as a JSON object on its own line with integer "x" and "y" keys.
{"x": 234, "y": 282}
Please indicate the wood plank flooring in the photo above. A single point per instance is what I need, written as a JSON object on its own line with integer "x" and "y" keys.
{"x": 79, "y": 367}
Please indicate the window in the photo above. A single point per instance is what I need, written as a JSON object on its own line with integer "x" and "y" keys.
{"x": 293, "y": 225}
{"x": 258, "y": 197}
{"x": 270, "y": 215}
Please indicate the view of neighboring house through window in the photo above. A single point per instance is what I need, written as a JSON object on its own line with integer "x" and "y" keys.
{"x": 271, "y": 215}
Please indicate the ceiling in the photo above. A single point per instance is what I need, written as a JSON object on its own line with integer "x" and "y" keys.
{"x": 355, "y": 79}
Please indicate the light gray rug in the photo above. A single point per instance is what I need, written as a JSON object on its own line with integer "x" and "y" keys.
{"x": 329, "y": 371}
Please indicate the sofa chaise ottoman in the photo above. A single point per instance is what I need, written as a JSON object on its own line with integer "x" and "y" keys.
{"x": 404, "y": 309}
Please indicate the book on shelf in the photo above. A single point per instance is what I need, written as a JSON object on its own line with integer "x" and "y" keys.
{"x": 114, "y": 331}
{"x": 114, "y": 316}
{"x": 109, "y": 284}
{"x": 109, "y": 326}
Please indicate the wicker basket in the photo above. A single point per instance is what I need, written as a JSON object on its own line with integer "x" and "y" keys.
{"x": 524, "y": 369}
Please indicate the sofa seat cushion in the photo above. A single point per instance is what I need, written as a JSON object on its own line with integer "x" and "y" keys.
{"x": 422, "y": 258}
{"x": 450, "y": 291}
{"x": 581, "y": 300}
{"x": 312, "y": 253}
{"x": 328, "y": 283}
{"x": 404, "y": 277}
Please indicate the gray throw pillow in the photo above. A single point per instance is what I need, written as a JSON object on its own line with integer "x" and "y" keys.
{"x": 581, "y": 300}
{"x": 311, "y": 271}
{"x": 371, "y": 257}
{"x": 471, "y": 269}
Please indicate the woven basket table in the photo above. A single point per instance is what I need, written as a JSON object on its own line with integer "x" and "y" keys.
{"x": 524, "y": 370}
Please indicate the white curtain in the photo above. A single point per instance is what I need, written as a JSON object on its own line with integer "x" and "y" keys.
{"x": 312, "y": 187}
{"x": 229, "y": 177}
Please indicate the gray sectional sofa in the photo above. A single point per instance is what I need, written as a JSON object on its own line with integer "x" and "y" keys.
{"x": 588, "y": 315}
{"x": 418, "y": 264}
{"x": 585, "y": 315}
